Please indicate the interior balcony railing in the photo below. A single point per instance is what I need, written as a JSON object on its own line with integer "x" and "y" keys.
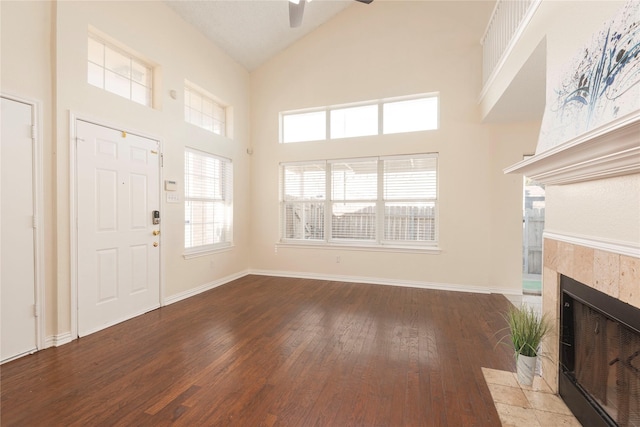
{"x": 507, "y": 22}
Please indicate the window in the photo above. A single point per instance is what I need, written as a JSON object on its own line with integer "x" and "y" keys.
{"x": 116, "y": 71}
{"x": 416, "y": 113}
{"x": 304, "y": 195}
{"x": 411, "y": 115}
{"x": 380, "y": 201}
{"x": 300, "y": 127}
{"x": 354, "y": 121}
{"x": 208, "y": 182}
{"x": 202, "y": 110}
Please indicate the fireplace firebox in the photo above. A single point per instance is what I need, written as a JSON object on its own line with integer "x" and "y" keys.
{"x": 599, "y": 356}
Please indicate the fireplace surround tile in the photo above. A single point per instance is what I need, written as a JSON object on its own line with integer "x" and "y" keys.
{"x": 546, "y": 402}
{"x": 583, "y": 264}
{"x": 565, "y": 258}
{"x": 526, "y": 406}
{"x": 606, "y": 273}
{"x": 630, "y": 280}
{"x": 551, "y": 254}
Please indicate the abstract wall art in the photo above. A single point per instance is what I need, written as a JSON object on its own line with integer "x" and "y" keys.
{"x": 600, "y": 84}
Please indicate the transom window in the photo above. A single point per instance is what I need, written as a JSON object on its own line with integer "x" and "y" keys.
{"x": 202, "y": 110}
{"x": 377, "y": 201}
{"x": 416, "y": 113}
{"x": 208, "y": 197}
{"x": 117, "y": 71}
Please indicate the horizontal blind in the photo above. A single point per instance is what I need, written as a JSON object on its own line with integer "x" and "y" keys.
{"x": 354, "y": 194}
{"x": 303, "y": 200}
{"x": 410, "y": 196}
{"x": 208, "y": 199}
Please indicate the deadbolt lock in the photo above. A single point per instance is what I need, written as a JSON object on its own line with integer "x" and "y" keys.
{"x": 156, "y": 232}
{"x": 155, "y": 244}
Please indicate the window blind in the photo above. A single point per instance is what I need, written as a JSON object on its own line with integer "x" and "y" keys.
{"x": 208, "y": 200}
{"x": 410, "y": 191}
{"x": 354, "y": 194}
{"x": 371, "y": 201}
{"x": 303, "y": 200}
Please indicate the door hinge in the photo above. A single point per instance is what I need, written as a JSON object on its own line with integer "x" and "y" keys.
{"x": 34, "y": 132}
{"x": 36, "y": 310}
{"x": 161, "y": 160}
{"x": 35, "y": 222}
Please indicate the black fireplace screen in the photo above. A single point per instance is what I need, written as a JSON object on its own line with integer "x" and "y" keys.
{"x": 606, "y": 363}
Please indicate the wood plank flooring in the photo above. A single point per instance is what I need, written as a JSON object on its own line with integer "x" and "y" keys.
{"x": 268, "y": 351}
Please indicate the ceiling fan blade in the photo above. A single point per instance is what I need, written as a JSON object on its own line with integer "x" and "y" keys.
{"x": 365, "y": 1}
{"x": 295, "y": 13}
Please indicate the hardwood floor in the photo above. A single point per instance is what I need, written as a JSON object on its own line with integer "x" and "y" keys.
{"x": 267, "y": 351}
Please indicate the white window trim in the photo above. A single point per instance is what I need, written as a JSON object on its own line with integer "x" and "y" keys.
{"x": 192, "y": 87}
{"x": 380, "y": 103}
{"x": 203, "y": 250}
{"x": 380, "y": 244}
{"x": 115, "y": 46}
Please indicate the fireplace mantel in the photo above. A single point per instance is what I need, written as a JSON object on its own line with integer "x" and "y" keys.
{"x": 607, "y": 151}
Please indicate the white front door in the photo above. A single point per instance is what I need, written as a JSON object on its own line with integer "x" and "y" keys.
{"x": 17, "y": 252}
{"x": 117, "y": 178}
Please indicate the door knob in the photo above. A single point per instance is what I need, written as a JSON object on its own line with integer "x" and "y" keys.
{"x": 155, "y": 244}
{"x": 156, "y": 232}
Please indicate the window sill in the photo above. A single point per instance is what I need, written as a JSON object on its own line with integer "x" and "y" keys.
{"x": 433, "y": 250}
{"x": 197, "y": 253}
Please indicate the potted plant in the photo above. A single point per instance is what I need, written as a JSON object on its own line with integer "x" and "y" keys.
{"x": 525, "y": 331}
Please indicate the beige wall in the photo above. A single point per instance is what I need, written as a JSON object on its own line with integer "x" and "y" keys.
{"x": 44, "y": 48}
{"x": 26, "y": 61}
{"x": 395, "y": 49}
{"x": 391, "y": 49}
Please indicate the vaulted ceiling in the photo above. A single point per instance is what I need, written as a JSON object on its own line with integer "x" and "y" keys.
{"x": 252, "y": 31}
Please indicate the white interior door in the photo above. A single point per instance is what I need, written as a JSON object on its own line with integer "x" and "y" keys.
{"x": 17, "y": 252}
{"x": 117, "y": 178}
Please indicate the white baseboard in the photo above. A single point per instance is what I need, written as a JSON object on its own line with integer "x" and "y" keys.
{"x": 203, "y": 288}
{"x": 57, "y": 340}
{"x": 388, "y": 282}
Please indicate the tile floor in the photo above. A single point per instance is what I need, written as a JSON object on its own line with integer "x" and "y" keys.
{"x": 526, "y": 406}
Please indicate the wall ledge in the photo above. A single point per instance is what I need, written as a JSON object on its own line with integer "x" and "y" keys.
{"x": 607, "y": 151}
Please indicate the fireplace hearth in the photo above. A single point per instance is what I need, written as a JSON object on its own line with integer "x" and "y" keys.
{"x": 599, "y": 376}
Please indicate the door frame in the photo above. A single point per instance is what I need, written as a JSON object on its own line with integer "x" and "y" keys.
{"x": 37, "y": 163}
{"x": 73, "y": 208}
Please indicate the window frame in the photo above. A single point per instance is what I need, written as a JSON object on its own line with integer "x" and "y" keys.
{"x": 133, "y": 59}
{"x": 225, "y": 182}
{"x": 205, "y": 96}
{"x": 328, "y": 110}
{"x": 380, "y": 242}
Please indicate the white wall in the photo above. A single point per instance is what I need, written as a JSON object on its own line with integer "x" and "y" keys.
{"x": 607, "y": 210}
{"x": 44, "y": 54}
{"x": 383, "y": 50}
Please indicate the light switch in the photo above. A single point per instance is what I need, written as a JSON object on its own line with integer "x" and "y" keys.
{"x": 173, "y": 198}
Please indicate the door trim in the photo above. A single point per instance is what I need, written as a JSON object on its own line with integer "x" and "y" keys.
{"x": 73, "y": 209}
{"x": 38, "y": 212}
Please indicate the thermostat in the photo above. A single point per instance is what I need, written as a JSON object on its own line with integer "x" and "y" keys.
{"x": 170, "y": 185}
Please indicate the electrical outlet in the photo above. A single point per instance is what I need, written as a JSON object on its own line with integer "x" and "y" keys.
{"x": 338, "y": 259}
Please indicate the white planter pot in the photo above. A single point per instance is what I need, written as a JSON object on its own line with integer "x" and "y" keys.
{"x": 525, "y": 369}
